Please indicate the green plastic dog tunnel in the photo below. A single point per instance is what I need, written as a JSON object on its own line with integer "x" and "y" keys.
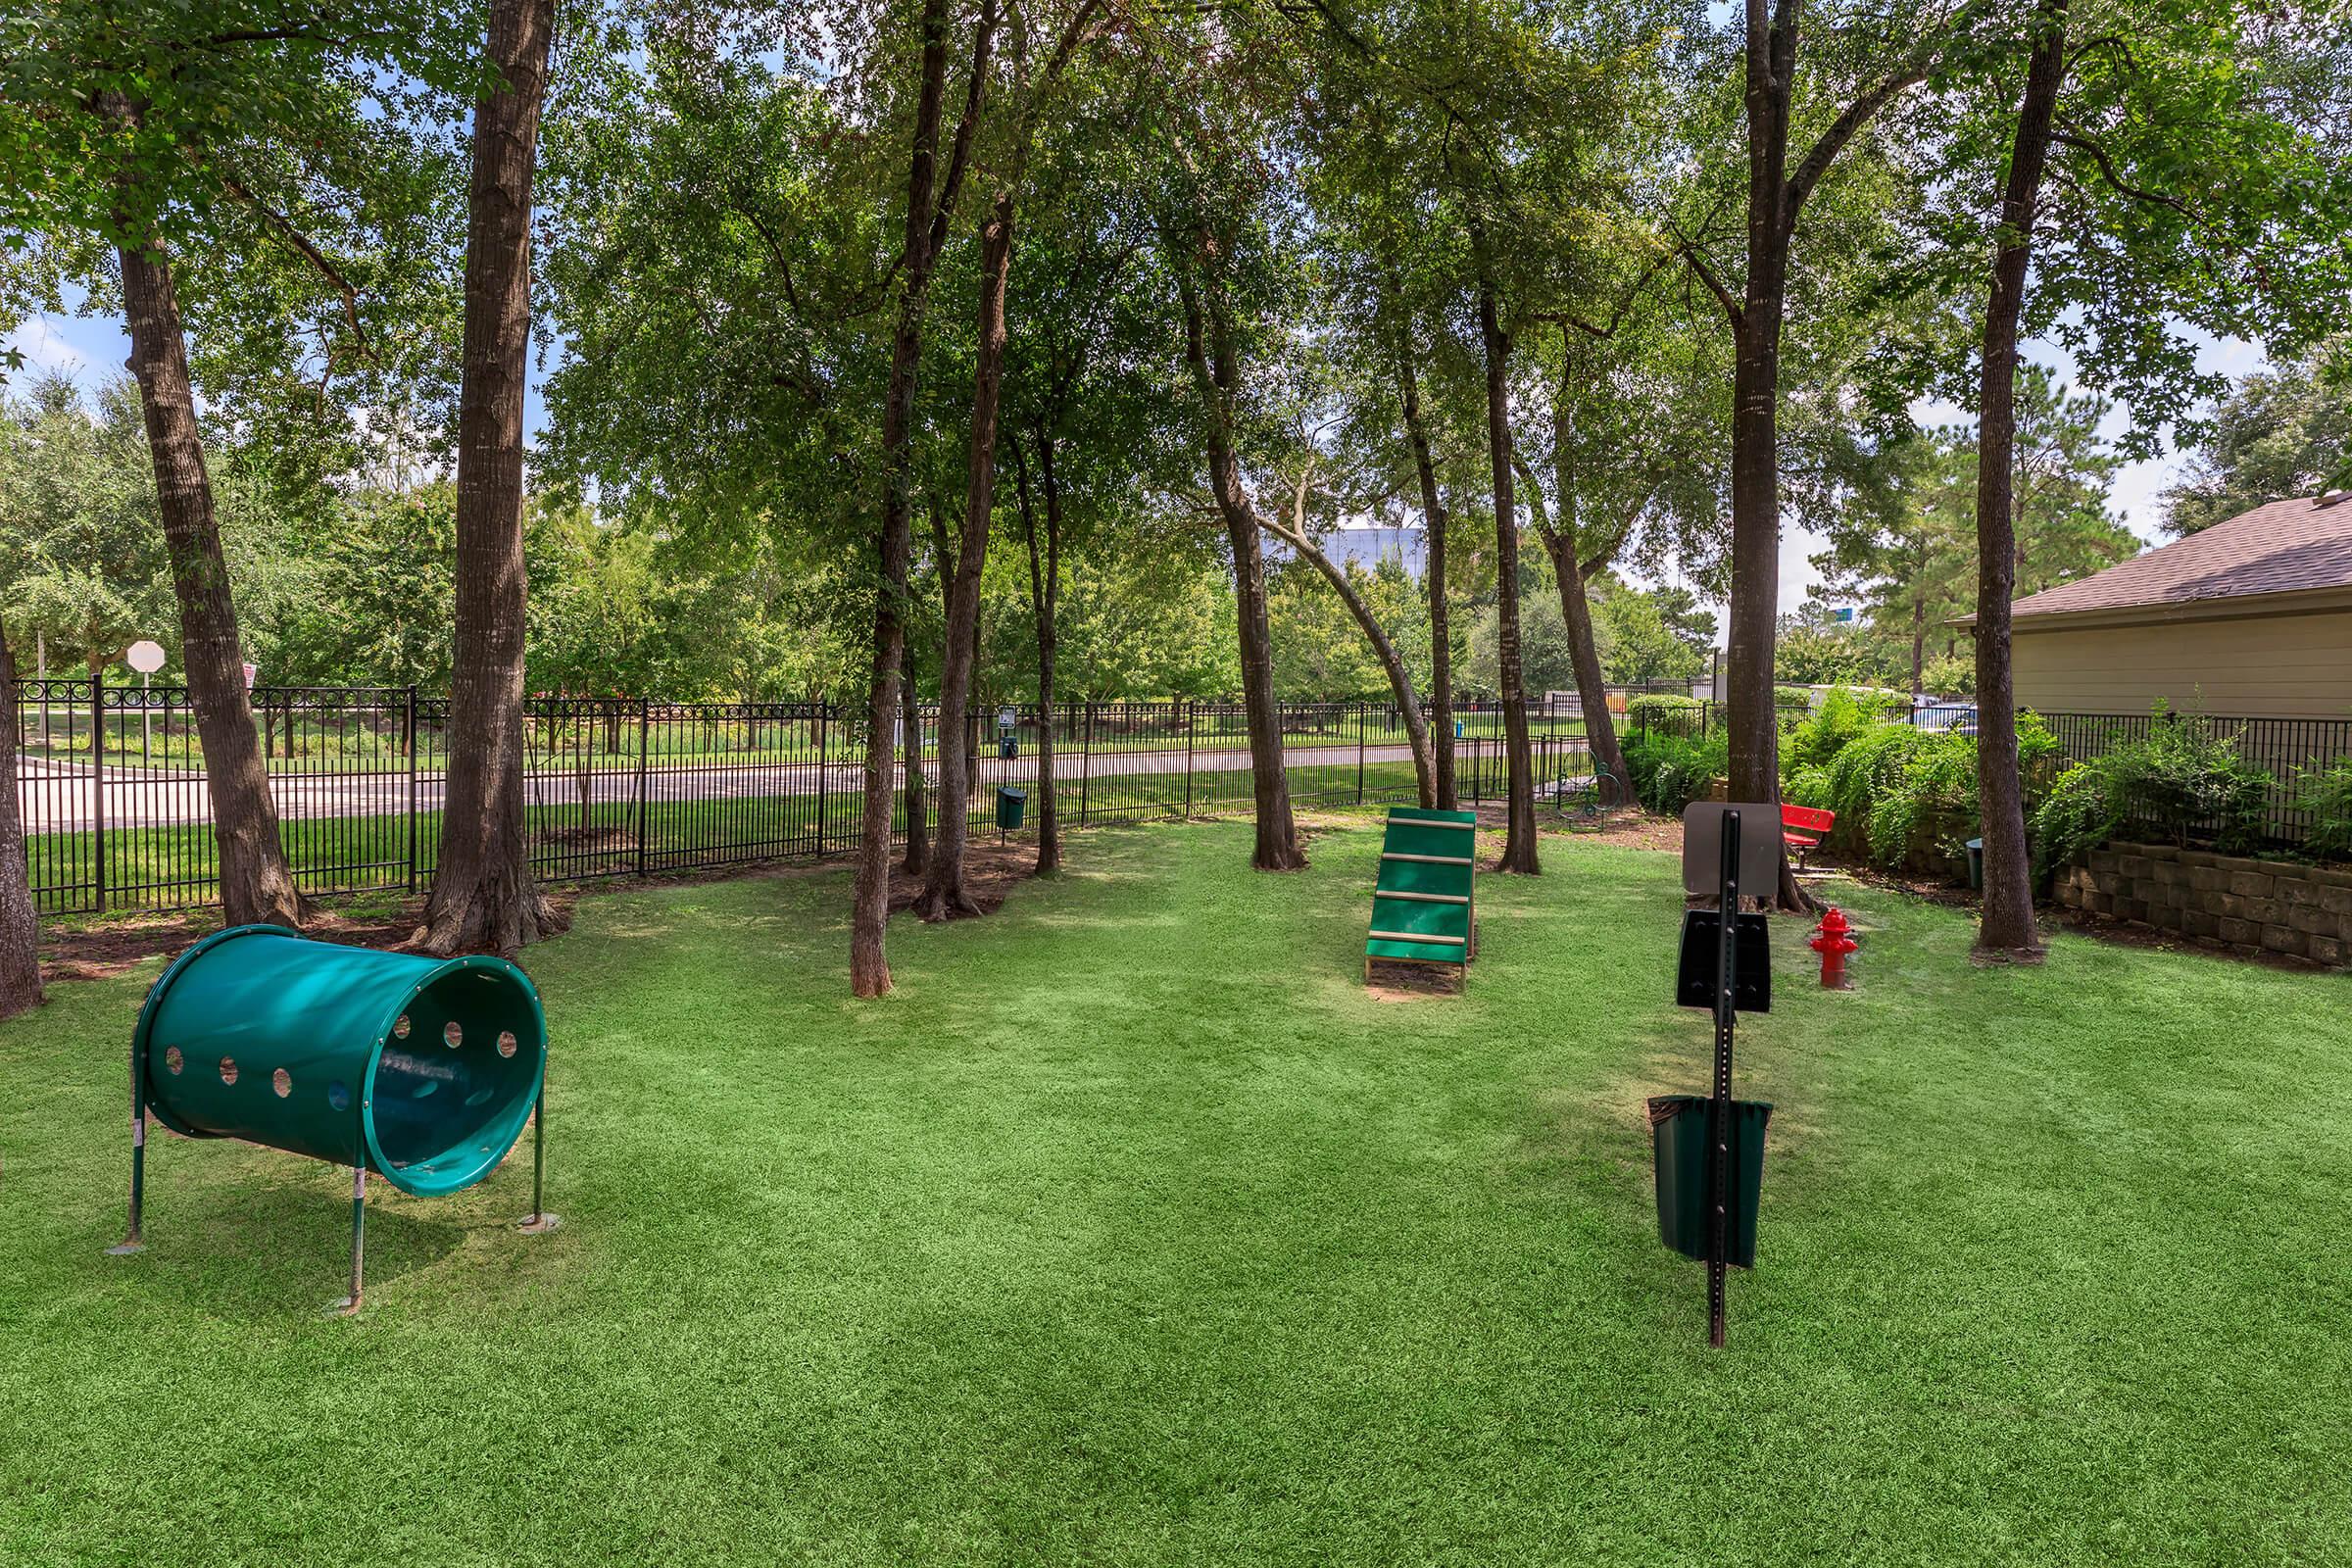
{"x": 423, "y": 1070}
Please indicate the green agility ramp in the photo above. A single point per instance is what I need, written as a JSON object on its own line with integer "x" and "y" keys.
{"x": 1423, "y": 906}
{"x": 423, "y": 1070}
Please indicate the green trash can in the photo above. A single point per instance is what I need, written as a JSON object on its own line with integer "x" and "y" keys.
{"x": 1011, "y": 804}
{"x": 424, "y": 1070}
{"x": 1678, "y": 1126}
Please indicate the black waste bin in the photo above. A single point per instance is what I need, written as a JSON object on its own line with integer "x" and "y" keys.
{"x": 1006, "y": 746}
{"x": 1678, "y": 1127}
{"x": 1011, "y": 804}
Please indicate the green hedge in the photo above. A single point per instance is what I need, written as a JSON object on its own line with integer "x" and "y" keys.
{"x": 2183, "y": 781}
{"x": 1902, "y": 795}
{"x": 1670, "y": 771}
{"x": 2325, "y": 791}
{"x": 1905, "y": 796}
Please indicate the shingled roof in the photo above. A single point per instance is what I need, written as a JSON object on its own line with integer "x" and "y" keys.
{"x": 2285, "y": 547}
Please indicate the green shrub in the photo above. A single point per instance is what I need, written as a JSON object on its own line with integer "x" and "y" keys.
{"x": 2182, "y": 780}
{"x": 2080, "y": 812}
{"x": 1663, "y": 713}
{"x": 1670, "y": 771}
{"x": 2186, "y": 778}
{"x": 1953, "y": 673}
{"x": 1931, "y": 800}
{"x": 1899, "y": 789}
{"x": 1841, "y": 717}
{"x": 2325, "y": 791}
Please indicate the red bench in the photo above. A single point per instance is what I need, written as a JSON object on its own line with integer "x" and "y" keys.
{"x": 1802, "y": 829}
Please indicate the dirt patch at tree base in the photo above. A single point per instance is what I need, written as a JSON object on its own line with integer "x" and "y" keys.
{"x": 991, "y": 871}
{"x": 115, "y": 946}
{"x": 108, "y": 950}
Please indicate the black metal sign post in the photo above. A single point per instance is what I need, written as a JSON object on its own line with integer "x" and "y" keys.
{"x": 1719, "y": 1105}
{"x": 1707, "y": 1203}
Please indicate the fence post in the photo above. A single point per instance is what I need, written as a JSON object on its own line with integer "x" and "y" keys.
{"x": 409, "y": 740}
{"x": 98, "y": 787}
{"x": 1185, "y": 706}
{"x": 1086, "y": 753}
{"x": 824, "y": 706}
{"x": 645, "y": 726}
{"x": 1359, "y": 754}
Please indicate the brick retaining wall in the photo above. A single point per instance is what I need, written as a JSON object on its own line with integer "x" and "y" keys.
{"x": 2221, "y": 900}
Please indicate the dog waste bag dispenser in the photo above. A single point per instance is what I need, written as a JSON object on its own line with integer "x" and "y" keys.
{"x": 424, "y": 1070}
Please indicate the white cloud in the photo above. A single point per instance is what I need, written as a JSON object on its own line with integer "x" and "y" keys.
{"x": 45, "y": 349}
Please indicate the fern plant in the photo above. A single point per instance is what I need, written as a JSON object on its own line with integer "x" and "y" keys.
{"x": 2325, "y": 791}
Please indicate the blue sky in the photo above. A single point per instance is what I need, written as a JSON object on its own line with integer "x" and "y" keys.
{"x": 91, "y": 349}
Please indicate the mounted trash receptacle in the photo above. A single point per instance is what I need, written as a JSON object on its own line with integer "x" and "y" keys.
{"x": 424, "y": 1070}
{"x": 1011, "y": 803}
{"x": 1677, "y": 1125}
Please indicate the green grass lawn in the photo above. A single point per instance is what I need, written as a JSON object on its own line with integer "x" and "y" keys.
{"x": 1132, "y": 1228}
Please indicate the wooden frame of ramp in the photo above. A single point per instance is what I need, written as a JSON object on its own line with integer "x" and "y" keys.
{"x": 1424, "y": 904}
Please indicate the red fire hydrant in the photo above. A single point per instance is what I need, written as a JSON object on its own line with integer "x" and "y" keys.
{"x": 1834, "y": 939}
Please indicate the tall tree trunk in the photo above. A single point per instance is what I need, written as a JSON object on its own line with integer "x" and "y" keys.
{"x": 255, "y": 886}
{"x": 1584, "y": 647}
{"x": 1564, "y": 544}
{"x": 1775, "y": 198}
{"x": 2007, "y": 929}
{"x": 1217, "y": 375}
{"x": 1583, "y": 654}
{"x": 20, "y": 930}
{"x": 926, "y": 219}
{"x": 1401, "y": 682}
{"x": 1751, "y": 637}
{"x": 1045, "y": 593}
{"x": 945, "y": 896}
{"x": 484, "y": 896}
{"x": 1519, "y": 841}
{"x": 1433, "y": 532}
{"x": 917, "y": 859}
{"x": 1919, "y": 639}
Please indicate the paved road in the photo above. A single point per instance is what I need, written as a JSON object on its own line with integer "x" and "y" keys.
{"x": 57, "y": 796}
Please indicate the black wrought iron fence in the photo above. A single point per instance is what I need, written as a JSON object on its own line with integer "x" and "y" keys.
{"x": 117, "y": 813}
{"x": 2283, "y": 748}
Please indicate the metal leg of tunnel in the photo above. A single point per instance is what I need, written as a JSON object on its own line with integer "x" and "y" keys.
{"x": 349, "y": 1306}
{"x": 540, "y": 1221}
{"x": 135, "y": 1241}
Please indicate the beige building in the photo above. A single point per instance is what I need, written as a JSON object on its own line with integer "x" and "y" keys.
{"x": 2250, "y": 618}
